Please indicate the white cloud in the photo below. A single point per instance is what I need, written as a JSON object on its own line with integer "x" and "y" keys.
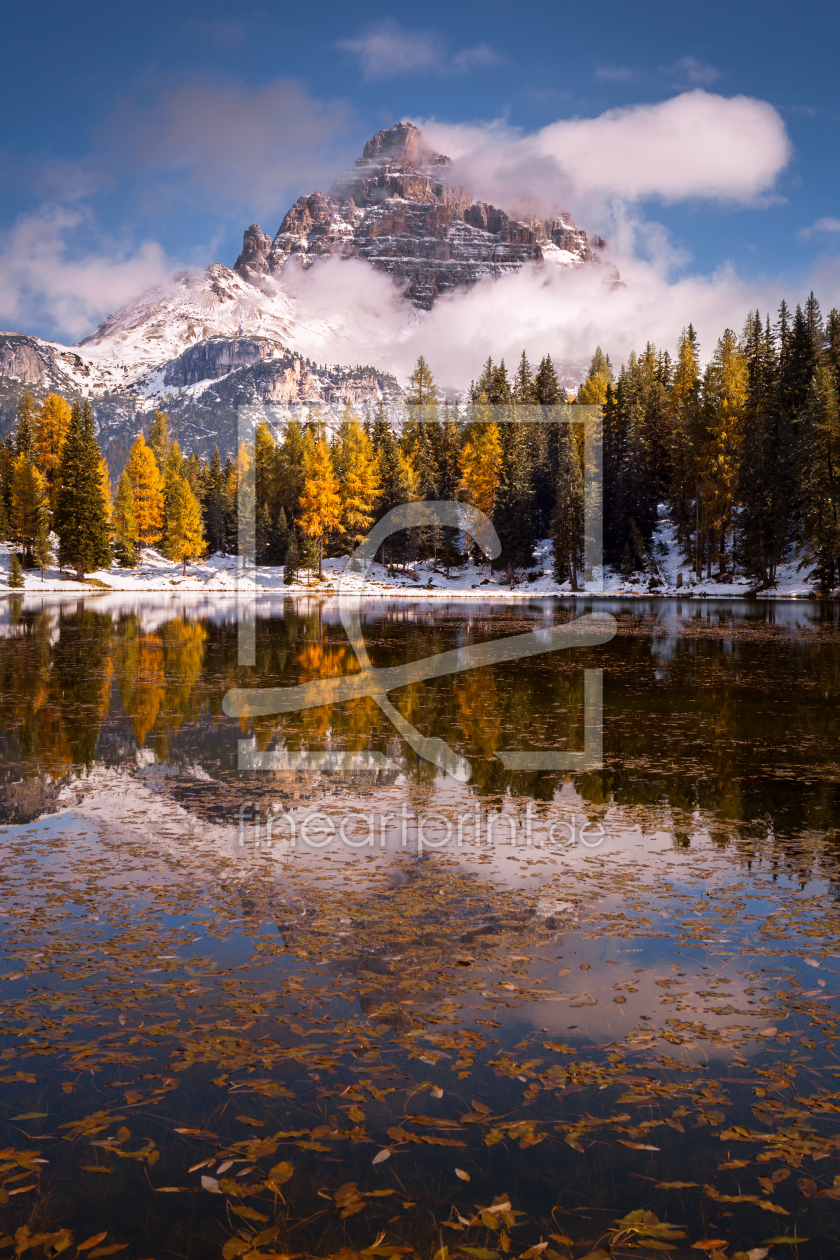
{"x": 46, "y": 283}
{"x": 349, "y": 313}
{"x": 828, "y": 224}
{"x": 688, "y": 71}
{"x": 695, "y": 145}
{"x": 386, "y": 50}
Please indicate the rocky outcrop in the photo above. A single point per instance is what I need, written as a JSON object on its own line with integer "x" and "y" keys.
{"x": 397, "y": 210}
{"x": 208, "y": 360}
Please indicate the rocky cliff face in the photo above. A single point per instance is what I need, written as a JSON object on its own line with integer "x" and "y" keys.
{"x": 396, "y": 209}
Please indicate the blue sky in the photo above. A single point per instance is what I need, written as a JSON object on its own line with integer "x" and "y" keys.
{"x": 138, "y": 138}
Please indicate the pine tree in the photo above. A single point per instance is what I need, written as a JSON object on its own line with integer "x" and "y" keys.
{"x": 685, "y": 442}
{"x": 51, "y": 426}
{"x": 421, "y": 385}
{"x": 15, "y": 573}
{"x": 29, "y": 505}
{"x": 724, "y": 403}
{"x": 7, "y": 463}
{"x": 320, "y": 503}
{"x": 230, "y": 504}
{"x": 567, "y": 518}
{"x": 213, "y": 500}
{"x": 549, "y": 391}
{"x": 763, "y": 522}
{"x": 42, "y": 553}
{"x": 185, "y": 536}
{"x": 4, "y": 518}
{"x": 172, "y": 473}
{"x": 524, "y": 387}
{"x": 819, "y": 488}
{"x": 27, "y": 412}
{"x": 514, "y": 516}
{"x": 80, "y": 510}
{"x": 593, "y": 392}
{"x": 147, "y": 487}
{"x": 279, "y": 538}
{"x": 159, "y": 440}
{"x": 124, "y": 524}
{"x": 291, "y": 458}
{"x": 397, "y": 480}
{"x": 292, "y": 561}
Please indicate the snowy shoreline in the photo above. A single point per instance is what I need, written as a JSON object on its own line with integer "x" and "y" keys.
{"x": 222, "y": 576}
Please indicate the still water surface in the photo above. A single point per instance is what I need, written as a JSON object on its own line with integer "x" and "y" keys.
{"x": 468, "y": 1019}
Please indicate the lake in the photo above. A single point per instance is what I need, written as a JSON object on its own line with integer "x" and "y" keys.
{"x": 273, "y": 983}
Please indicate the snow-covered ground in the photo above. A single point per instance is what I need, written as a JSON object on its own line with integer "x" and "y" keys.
{"x": 223, "y": 576}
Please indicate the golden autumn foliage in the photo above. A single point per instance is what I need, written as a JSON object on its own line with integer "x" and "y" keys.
{"x": 147, "y": 487}
{"x": 50, "y": 430}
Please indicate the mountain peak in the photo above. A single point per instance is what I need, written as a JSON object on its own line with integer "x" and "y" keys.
{"x": 396, "y": 209}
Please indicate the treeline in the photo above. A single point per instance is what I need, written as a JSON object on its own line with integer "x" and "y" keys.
{"x": 745, "y": 454}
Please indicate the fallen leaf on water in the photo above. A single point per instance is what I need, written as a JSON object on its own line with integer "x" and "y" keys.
{"x": 282, "y": 1172}
{"x": 108, "y": 1251}
{"x": 31, "y": 1115}
{"x": 676, "y": 1185}
{"x": 781, "y": 1239}
{"x": 464, "y": 1176}
{"x": 248, "y": 1214}
{"x": 381, "y": 1157}
{"x": 91, "y": 1242}
{"x": 710, "y": 1244}
{"x": 638, "y": 1146}
{"x": 211, "y": 1184}
{"x": 97, "y": 1168}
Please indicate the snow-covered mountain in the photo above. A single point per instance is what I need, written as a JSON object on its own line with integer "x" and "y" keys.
{"x": 396, "y": 209}
{"x": 347, "y": 275}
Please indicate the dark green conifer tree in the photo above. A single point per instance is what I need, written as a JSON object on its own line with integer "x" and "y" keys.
{"x": 819, "y": 477}
{"x": 764, "y": 486}
{"x": 213, "y": 504}
{"x": 80, "y": 512}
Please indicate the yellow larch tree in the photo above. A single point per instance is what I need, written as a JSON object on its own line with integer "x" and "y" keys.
{"x": 184, "y": 532}
{"x": 320, "y": 503}
{"x": 359, "y": 481}
{"x": 29, "y": 504}
{"x": 147, "y": 488}
{"x": 481, "y": 467}
{"x": 51, "y": 425}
